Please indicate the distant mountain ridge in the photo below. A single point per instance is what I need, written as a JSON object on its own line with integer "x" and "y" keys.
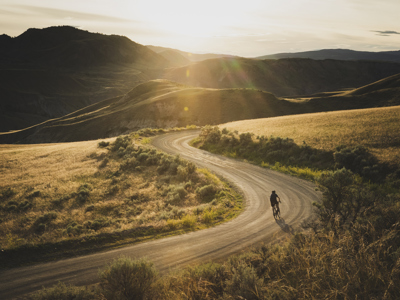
{"x": 339, "y": 54}
{"x": 191, "y": 57}
{"x": 69, "y": 47}
{"x": 282, "y": 77}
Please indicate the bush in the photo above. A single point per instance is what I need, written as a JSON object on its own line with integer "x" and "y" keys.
{"x": 245, "y": 283}
{"x": 206, "y": 192}
{"x": 189, "y": 221}
{"x": 121, "y": 143}
{"x": 83, "y": 193}
{"x": 64, "y": 292}
{"x": 103, "y": 144}
{"x": 7, "y": 193}
{"x": 126, "y": 278}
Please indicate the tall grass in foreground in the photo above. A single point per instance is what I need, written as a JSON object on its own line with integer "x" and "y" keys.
{"x": 351, "y": 252}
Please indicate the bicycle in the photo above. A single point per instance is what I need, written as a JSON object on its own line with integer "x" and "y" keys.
{"x": 276, "y": 212}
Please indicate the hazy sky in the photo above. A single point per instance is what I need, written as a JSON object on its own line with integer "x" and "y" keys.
{"x": 246, "y": 28}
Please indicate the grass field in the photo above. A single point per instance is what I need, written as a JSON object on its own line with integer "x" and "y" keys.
{"x": 60, "y": 193}
{"x": 377, "y": 129}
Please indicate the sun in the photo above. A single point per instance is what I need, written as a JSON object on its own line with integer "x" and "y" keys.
{"x": 206, "y": 18}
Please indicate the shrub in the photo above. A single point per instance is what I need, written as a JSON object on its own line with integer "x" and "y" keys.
{"x": 83, "y": 193}
{"x": 126, "y": 278}
{"x": 244, "y": 283}
{"x": 34, "y": 195}
{"x": 206, "y": 192}
{"x": 103, "y": 144}
{"x": 7, "y": 193}
{"x": 189, "y": 221}
{"x": 121, "y": 143}
{"x": 64, "y": 292}
{"x": 46, "y": 218}
{"x": 245, "y": 138}
{"x": 208, "y": 216}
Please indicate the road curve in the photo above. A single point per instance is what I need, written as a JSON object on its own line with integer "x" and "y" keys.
{"x": 254, "y": 225}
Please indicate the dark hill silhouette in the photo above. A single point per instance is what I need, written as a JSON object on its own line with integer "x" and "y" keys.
{"x": 283, "y": 77}
{"x": 47, "y": 73}
{"x": 162, "y": 103}
{"x": 339, "y": 54}
{"x": 69, "y": 47}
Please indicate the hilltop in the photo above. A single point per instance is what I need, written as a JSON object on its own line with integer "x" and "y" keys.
{"x": 47, "y": 73}
{"x": 339, "y": 54}
{"x": 283, "y": 77}
{"x": 72, "y": 48}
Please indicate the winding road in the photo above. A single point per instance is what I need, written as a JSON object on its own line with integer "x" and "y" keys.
{"x": 254, "y": 225}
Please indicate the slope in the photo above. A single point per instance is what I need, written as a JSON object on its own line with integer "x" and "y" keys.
{"x": 164, "y": 104}
{"x": 340, "y": 54}
{"x": 375, "y": 128}
{"x": 47, "y": 73}
{"x": 157, "y": 103}
{"x": 284, "y": 77}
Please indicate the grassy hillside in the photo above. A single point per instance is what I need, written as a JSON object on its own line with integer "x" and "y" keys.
{"x": 349, "y": 251}
{"x": 376, "y": 129}
{"x": 48, "y": 73}
{"x": 162, "y": 103}
{"x": 100, "y": 195}
{"x": 284, "y": 77}
{"x": 154, "y": 104}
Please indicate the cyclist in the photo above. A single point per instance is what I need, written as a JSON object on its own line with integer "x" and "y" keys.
{"x": 275, "y": 200}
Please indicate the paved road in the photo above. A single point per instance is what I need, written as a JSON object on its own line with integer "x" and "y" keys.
{"x": 254, "y": 225}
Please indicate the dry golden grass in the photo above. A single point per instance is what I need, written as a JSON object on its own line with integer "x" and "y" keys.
{"x": 46, "y": 180}
{"x": 375, "y": 128}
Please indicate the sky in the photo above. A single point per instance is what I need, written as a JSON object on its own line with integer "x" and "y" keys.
{"x": 247, "y": 28}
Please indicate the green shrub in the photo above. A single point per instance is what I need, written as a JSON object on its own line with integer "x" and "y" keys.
{"x": 189, "y": 221}
{"x": 206, "y": 193}
{"x": 126, "y": 278}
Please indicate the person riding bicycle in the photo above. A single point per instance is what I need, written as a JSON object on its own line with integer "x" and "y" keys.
{"x": 274, "y": 198}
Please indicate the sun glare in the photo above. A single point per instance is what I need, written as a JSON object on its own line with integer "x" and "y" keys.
{"x": 180, "y": 18}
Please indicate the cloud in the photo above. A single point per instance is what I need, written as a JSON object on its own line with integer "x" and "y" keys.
{"x": 386, "y": 32}
{"x": 62, "y": 13}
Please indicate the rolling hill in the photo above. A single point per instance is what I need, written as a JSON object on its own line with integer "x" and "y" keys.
{"x": 375, "y": 128}
{"x": 47, "y": 73}
{"x": 164, "y": 104}
{"x": 157, "y": 103}
{"x": 283, "y": 77}
{"x": 339, "y": 54}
